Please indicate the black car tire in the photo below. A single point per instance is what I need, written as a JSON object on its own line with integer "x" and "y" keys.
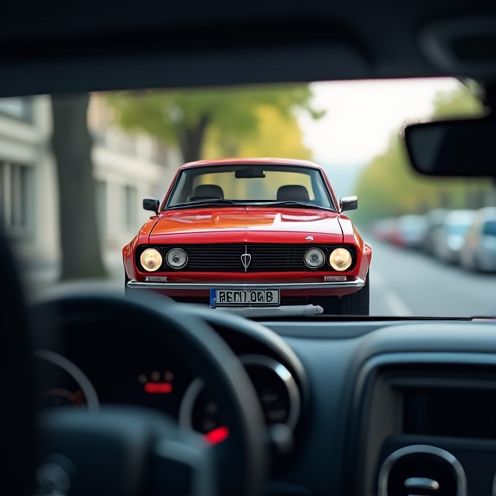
{"x": 357, "y": 303}
{"x": 354, "y": 304}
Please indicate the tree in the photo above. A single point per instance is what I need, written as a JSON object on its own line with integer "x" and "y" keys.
{"x": 464, "y": 101}
{"x": 185, "y": 117}
{"x": 276, "y": 136}
{"x": 72, "y": 143}
{"x": 389, "y": 187}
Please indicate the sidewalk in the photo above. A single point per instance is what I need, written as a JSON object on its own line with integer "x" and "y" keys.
{"x": 40, "y": 275}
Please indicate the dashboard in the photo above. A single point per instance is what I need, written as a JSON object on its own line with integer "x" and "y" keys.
{"x": 371, "y": 407}
{"x": 89, "y": 367}
{"x": 398, "y": 407}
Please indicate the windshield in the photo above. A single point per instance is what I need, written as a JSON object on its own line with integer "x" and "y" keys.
{"x": 268, "y": 228}
{"x": 490, "y": 228}
{"x": 250, "y": 184}
{"x": 457, "y": 229}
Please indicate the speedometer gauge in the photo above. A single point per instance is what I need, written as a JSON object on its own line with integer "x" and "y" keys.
{"x": 201, "y": 413}
{"x": 63, "y": 383}
{"x": 275, "y": 387}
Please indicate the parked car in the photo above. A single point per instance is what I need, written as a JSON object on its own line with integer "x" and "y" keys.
{"x": 435, "y": 219}
{"x": 382, "y": 228}
{"x": 479, "y": 247}
{"x": 252, "y": 232}
{"x": 411, "y": 230}
{"x": 450, "y": 238}
{"x": 386, "y": 230}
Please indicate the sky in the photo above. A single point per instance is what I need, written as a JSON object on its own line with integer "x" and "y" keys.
{"x": 361, "y": 115}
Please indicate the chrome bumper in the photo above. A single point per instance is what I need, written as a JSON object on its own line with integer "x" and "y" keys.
{"x": 355, "y": 283}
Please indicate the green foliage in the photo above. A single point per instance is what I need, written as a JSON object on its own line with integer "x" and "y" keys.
{"x": 462, "y": 102}
{"x": 179, "y": 116}
{"x": 388, "y": 186}
{"x": 276, "y": 136}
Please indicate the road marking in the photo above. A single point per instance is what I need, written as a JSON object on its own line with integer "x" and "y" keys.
{"x": 398, "y": 307}
{"x": 378, "y": 280}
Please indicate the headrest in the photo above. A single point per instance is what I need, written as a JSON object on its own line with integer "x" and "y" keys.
{"x": 208, "y": 191}
{"x": 292, "y": 192}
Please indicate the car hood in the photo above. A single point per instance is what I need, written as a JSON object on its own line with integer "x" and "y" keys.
{"x": 246, "y": 220}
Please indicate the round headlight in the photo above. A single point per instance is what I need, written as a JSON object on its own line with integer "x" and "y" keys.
{"x": 151, "y": 260}
{"x": 340, "y": 259}
{"x": 176, "y": 258}
{"x": 314, "y": 258}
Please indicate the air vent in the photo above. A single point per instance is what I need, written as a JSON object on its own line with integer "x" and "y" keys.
{"x": 422, "y": 470}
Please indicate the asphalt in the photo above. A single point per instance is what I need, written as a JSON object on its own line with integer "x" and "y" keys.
{"x": 409, "y": 283}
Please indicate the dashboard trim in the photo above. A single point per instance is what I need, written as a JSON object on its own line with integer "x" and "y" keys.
{"x": 188, "y": 402}
{"x": 422, "y": 448}
{"x": 197, "y": 384}
{"x": 70, "y": 368}
{"x": 285, "y": 375}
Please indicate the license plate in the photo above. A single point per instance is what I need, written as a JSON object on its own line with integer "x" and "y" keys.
{"x": 244, "y": 297}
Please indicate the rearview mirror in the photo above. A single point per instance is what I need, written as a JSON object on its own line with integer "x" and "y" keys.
{"x": 348, "y": 203}
{"x": 249, "y": 173}
{"x": 456, "y": 148}
{"x": 151, "y": 204}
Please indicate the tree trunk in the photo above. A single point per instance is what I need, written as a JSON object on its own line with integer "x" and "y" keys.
{"x": 79, "y": 235}
{"x": 191, "y": 139}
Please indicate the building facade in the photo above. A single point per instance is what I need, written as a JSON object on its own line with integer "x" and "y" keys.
{"x": 127, "y": 168}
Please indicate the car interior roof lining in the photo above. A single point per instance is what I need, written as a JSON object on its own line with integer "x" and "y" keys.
{"x": 160, "y": 45}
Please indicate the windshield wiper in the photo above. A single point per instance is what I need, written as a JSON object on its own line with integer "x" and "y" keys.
{"x": 297, "y": 204}
{"x": 217, "y": 201}
{"x": 203, "y": 203}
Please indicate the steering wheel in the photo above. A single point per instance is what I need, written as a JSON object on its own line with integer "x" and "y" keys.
{"x": 241, "y": 460}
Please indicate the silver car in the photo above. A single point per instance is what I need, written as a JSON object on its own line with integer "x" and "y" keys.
{"x": 450, "y": 238}
{"x": 435, "y": 219}
{"x": 479, "y": 247}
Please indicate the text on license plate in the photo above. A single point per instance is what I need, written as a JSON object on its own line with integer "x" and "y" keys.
{"x": 241, "y": 297}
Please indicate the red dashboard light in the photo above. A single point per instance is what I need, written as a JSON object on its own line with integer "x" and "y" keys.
{"x": 218, "y": 435}
{"x": 158, "y": 387}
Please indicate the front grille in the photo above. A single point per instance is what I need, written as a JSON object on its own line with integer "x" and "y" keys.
{"x": 264, "y": 257}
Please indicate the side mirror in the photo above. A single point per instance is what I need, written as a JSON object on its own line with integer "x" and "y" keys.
{"x": 348, "y": 203}
{"x": 151, "y": 204}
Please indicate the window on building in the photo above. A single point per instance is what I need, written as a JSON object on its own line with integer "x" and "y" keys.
{"x": 101, "y": 207}
{"x": 130, "y": 207}
{"x": 19, "y": 108}
{"x": 16, "y": 196}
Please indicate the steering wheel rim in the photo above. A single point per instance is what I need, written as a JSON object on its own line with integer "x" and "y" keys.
{"x": 169, "y": 325}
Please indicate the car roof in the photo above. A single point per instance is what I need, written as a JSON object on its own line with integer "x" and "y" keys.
{"x": 455, "y": 216}
{"x": 487, "y": 214}
{"x": 252, "y": 161}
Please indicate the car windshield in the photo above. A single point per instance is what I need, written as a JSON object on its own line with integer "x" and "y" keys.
{"x": 457, "y": 229}
{"x": 275, "y": 222}
{"x": 247, "y": 184}
{"x": 490, "y": 228}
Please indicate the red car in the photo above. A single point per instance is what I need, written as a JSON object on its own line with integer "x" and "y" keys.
{"x": 252, "y": 232}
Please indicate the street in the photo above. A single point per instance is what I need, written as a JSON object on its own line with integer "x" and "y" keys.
{"x": 408, "y": 283}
